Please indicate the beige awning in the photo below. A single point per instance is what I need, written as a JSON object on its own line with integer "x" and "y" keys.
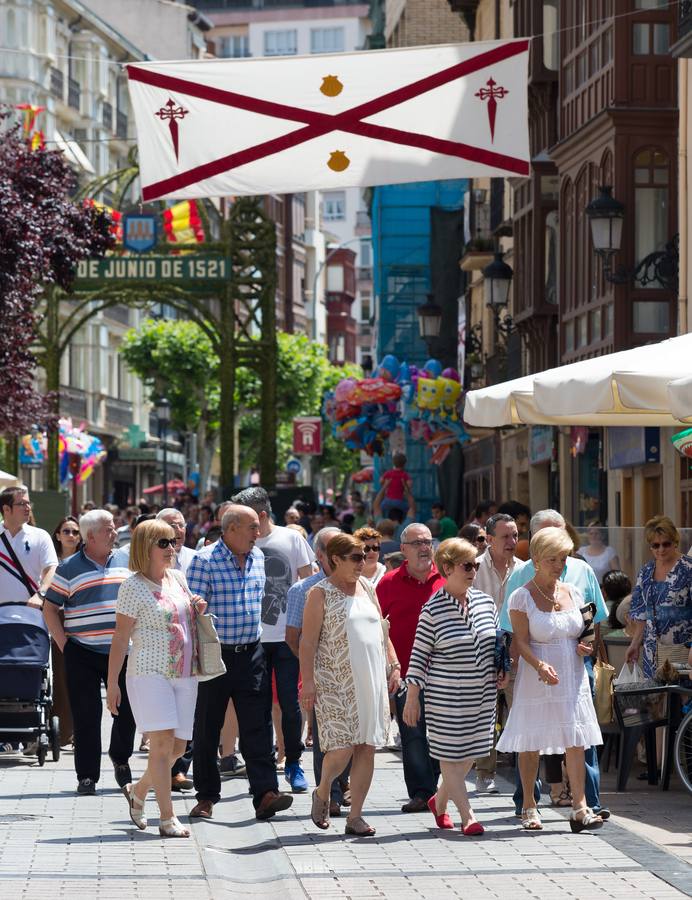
{"x": 648, "y": 385}
{"x": 7, "y": 480}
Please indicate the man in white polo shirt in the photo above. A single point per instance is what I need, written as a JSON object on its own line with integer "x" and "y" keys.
{"x": 27, "y": 556}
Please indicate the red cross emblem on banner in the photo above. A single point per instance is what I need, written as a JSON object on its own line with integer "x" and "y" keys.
{"x": 316, "y": 123}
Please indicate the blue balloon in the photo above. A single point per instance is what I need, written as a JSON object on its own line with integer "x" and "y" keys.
{"x": 404, "y": 376}
{"x": 434, "y": 366}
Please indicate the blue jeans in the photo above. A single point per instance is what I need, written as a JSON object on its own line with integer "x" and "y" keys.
{"x": 421, "y": 771}
{"x": 592, "y": 782}
{"x": 284, "y": 664}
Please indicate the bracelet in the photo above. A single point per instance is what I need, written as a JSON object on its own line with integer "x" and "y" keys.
{"x": 392, "y": 666}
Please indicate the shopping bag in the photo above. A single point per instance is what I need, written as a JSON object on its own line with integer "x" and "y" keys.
{"x": 629, "y": 676}
{"x": 603, "y": 691}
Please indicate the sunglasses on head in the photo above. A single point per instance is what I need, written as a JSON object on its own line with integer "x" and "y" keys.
{"x": 355, "y": 557}
{"x": 371, "y": 548}
{"x": 470, "y": 566}
{"x": 663, "y": 544}
{"x": 162, "y": 543}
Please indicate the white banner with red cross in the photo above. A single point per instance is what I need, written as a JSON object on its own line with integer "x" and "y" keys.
{"x": 287, "y": 124}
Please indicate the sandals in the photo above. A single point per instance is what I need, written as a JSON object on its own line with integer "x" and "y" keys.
{"x": 172, "y": 828}
{"x": 359, "y": 827}
{"x": 320, "y": 811}
{"x": 136, "y": 807}
{"x": 589, "y": 821}
{"x": 564, "y": 798}
{"x": 531, "y": 820}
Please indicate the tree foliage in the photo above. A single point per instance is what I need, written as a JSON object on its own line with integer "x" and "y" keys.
{"x": 175, "y": 358}
{"x": 43, "y": 235}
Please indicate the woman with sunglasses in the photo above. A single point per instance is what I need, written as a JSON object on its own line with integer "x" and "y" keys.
{"x": 475, "y": 534}
{"x": 343, "y": 661}
{"x": 453, "y": 660}
{"x": 661, "y": 610}
{"x": 157, "y": 612}
{"x": 371, "y": 539}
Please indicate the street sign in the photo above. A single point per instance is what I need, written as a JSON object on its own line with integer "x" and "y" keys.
{"x": 154, "y": 268}
{"x": 139, "y": 232}
{"x": 307, "y": 435}
{"x": 294, "y": 467}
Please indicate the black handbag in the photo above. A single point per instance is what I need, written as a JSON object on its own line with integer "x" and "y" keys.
{"x": 587, "y": 613}
{"x": 503, "y": 661}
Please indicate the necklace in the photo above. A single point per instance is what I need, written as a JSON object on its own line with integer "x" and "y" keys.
{"x": 554, "y": 602}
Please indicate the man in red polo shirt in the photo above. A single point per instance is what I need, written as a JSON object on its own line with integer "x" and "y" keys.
{"x": 402, "y": 594}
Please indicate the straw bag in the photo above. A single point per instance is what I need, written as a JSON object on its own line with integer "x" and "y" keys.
{"x": 603, "y": 674}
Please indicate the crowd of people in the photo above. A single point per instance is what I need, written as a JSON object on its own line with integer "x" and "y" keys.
{"x": 331, "y": 623}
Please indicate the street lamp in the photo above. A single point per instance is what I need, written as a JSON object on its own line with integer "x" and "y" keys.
{"x": 429, "y": 319}
{"x": 163, "y": 415}
{"x": 606, "y": 217}
{"x": 497, "y": 278}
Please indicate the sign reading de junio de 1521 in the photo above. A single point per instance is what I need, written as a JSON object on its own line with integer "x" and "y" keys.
{"x": 154, "y": 268}
{"x": 307, "y": 435}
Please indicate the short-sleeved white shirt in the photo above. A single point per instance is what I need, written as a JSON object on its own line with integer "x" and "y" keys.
{"x": 285, "y": 551}
{"x": 35, "y": 551}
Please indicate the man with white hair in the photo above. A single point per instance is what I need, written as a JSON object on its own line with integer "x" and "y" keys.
{"x": 183, "y": 555}
{"x": 402, "y": 594}
{"x": 578, "y": 573}
{"x": 86, "y": 587}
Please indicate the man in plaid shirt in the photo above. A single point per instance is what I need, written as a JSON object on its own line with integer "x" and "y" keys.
{"x": 230, "y": 576}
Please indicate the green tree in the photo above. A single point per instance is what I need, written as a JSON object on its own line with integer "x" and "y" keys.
{"x": 176, "y": 358}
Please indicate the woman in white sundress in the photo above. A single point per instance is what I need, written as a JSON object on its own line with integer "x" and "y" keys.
{"x": 552, "y": 710}
{"x": 346, "y": 665}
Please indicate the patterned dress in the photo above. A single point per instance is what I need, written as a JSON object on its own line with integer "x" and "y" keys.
{"x": 453, "y": 659}
{"x": 352, "y": 703}
{"x": 665, "y": 607}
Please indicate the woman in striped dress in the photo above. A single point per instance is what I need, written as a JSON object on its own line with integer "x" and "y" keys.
{"x": 453, "y": 659}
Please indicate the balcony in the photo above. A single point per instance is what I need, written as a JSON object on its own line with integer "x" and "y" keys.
{"x": 118, "y": 413}
{"x": 107, "y": 116}
{"x": 121, "y": 125}
{"x": 478, "y": 253}
{"x": 74, "y": 94}
{"x": 57, "y": 83}
{"x": 73, "y": 402}
{"x": 364, "y": 273}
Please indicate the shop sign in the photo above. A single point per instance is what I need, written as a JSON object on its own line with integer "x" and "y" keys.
{"x": 633, "y": 446}
{"x": 307, "y": 435}
{"x": 154, "y": 268}
{"x": 540, "y": 444}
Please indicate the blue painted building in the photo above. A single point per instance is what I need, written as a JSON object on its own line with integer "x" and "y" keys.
{"x": 417, "y": 237}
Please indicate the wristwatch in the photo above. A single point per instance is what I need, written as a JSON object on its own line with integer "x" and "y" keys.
{"x": 42, "y": 595}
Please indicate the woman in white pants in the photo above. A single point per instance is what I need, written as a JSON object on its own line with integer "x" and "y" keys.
{"x": 157, "y": 612}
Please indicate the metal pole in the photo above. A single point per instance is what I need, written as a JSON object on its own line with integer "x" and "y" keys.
{"x": 165, "y": 465}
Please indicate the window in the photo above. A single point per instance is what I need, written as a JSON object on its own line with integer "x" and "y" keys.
{"x": 365, "y": 307}
{"x": 650, "y": 38}
{"x": 651, "y": 175}
{"x": 651, "y": 4}
{"x": 595, "y": 323}
{"x": 582, "y": 331}
{"x": 281, "y": 43}
{"x": 326, "y": 40}
{"x": 609, "y": 320}
{"x": 650, "y": 317}
{"x": 550, "y": 34}
{"x": 335, "y": 279}
{"x": 334, "y": 206}
{"x": 569, "y": 336}
{"x": 233, "y": 46}
{"x": 365, "y": 254}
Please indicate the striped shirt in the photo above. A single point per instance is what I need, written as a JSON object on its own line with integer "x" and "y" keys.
{"x": 234, "y": 595}
{"x": 87, "y": 592}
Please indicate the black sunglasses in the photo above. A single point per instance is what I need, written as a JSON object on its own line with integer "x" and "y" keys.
{"x": 468, "y": 566}
{"x": 355, "y": 557}
{"x": 162, "y": 543}
{"x": 371, "y": 548}
{"x": 663, "y": 544}
{"x": 69, "y": 531}
{"x": 481, "y": 539}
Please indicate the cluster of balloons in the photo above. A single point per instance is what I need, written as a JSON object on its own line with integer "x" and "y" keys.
{"x": 364, "y": 412}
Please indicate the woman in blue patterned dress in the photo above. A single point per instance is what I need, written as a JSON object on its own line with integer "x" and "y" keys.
{"x": 661, "y": 610}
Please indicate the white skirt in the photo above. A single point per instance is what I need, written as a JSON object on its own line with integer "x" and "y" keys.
{"x": 550, "y": 718}
{"x": 163, "y": 704}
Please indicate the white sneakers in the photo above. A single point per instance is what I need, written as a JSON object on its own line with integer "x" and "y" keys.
{"x": 486, "y": 785}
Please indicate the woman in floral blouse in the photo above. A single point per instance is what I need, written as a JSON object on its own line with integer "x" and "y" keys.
{"x": 661, "y": 610}
{"x": 157, "y": 612}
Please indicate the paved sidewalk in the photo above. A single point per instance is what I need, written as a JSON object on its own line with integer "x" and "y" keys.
{"x": 56, "y": 844}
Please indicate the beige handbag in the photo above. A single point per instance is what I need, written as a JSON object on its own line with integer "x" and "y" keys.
{"x": 209, "y": 661}
{"x": 603, "y": 674}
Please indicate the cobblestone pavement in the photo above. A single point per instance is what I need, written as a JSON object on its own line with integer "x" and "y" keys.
{"x": 56, "y": 844}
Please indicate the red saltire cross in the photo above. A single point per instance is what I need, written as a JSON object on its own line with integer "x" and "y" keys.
{"x": 318, "y": 124}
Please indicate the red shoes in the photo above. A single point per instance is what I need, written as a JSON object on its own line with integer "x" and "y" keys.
{"x": 443, "y": 821}
{"x": 475, "y": 828}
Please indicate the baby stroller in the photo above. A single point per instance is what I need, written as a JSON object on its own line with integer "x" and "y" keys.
{"x": 26, "y": 698}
